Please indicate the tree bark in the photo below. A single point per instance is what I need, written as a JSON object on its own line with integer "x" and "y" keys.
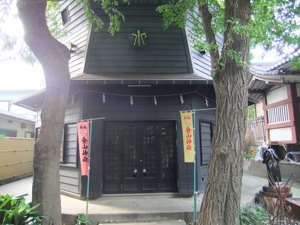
{"x": 221, "y": 202}
{"x": 54, "y": 58}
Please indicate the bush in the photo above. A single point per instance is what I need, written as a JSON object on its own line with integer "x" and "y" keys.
{"x": 254, "y": 215}
{"x": 81, "y": 219}
{"x": 2, "y": 136}
{"x": 251, "y": 154}
{"x": 14, "y": 210}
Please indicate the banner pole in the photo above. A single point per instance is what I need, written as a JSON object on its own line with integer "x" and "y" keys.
{"x": 195, "y": 170}
{"x": 88, "y": 178}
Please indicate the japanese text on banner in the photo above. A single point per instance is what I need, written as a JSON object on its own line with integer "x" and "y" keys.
{"x": 84, "y": 142}
{"x": 188, "y": 135}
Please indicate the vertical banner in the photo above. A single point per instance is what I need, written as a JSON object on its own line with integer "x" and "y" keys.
{"x": 84, "y": 142}
{"x": 188, "y": 136}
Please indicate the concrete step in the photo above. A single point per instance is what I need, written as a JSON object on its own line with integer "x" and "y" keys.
{"x": 159, "y": 222}
{"x": 163, "y": 218}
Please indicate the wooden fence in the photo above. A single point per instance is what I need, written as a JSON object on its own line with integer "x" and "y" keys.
{"x": 16, "y": 158}
{"x": 255, "y": 129}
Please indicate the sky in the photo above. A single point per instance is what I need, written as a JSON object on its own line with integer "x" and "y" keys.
{"x": 17, "y": 74}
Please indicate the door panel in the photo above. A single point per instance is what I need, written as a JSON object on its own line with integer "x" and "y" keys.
{"x": 168, "y": 165}
{"x": 112, "y": 174}
{"x": 130, "y": 158}
{"x": 146, "y": 156}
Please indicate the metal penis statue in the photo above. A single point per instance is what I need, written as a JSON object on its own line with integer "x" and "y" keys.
{"x": 271, "y": 159}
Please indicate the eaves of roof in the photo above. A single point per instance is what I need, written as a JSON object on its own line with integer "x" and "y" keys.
{"x": 140, "y": 79}
{"x": 31, "y": 100}
{"x": 285, "y": 64}
{"x": 266, "y": 76}
{"x": 10, "y": 115}
{"x": 281, "y": 68}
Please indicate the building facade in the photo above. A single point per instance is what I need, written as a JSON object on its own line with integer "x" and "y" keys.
{"x": 134, "y": 86}
{"x": 277, "y": 87}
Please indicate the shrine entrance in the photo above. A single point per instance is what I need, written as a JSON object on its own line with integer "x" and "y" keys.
{"x": 140, "y": 157}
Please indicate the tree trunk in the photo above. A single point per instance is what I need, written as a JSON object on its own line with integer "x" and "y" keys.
{"x": 221, "y": 202}
{"x": 54, "y": 58}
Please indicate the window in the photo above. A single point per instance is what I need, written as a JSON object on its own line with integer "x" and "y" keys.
{"x": 205, "y": 142}
{"x": 65, "y": 16}
{"x": 69, "y": 150}
{"x": 8, "y": 133}
{"x": 29, "y": 134}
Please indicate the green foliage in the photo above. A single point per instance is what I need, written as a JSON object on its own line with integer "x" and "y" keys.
{"x": 237, "y": 56}
{"x": 26, "y": 55}
{"x": 5, "y": 6}
{"x": 254, "y": 215}
{"x": 250, "y": 114}
{"x": 110, "y": 7}
{"x": 115, "y": 16}
{"x": 2, "y": 136}
{"x": 13, "y": 47}
{"x": 9, "y": 43}
{"x": 250, "y": 155}
{"x": 275, "y": 23}
{"x": 17, "y": 211}
{"x": 174, "y": 13}
{"x": 296, "y": 62}
{"x": 54, "y": 22}
{"x": 91, "y": 14}
{"x": 81, "y": 219}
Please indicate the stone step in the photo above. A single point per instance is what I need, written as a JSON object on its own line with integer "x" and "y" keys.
{"x": 163, "y": 218}
{"x": 158, "y": 222}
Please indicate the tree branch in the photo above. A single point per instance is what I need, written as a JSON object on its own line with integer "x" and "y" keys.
{"x": 209, "y": 33}
{"x": 236, "y": 45}
{"x": 38, "y": 37}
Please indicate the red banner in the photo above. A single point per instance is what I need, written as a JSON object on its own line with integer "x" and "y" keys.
{"x": 84, "y": 142}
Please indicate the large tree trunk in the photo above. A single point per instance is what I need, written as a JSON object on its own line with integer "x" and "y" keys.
{"x": 54, "y": 58}
{"x": 221, "y": 202}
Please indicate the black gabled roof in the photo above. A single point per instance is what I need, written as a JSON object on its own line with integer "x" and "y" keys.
{"x": 266, "y": 76}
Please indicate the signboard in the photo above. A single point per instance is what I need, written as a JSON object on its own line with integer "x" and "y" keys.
{"x": 138, "y": 38}
{"x": 84, "y": 142}
{"x": 188, "y": 135}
